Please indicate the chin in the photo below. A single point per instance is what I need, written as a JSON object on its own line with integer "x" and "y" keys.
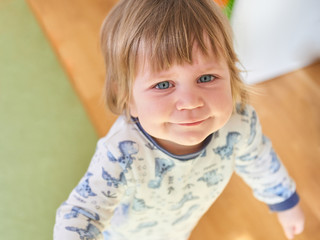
{"x": 192, "y": 141}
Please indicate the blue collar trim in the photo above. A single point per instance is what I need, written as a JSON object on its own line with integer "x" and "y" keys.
{"x": 185, "y": 157}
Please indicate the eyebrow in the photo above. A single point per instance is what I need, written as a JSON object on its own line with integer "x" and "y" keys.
{"x": 167, "y": 75}
{"x": 209, "y": 66}
{"x": 164, "y": 74}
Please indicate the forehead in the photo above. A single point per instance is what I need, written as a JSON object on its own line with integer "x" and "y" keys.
{"x": 197, "y": 54}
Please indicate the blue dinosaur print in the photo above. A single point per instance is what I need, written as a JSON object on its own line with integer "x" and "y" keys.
{"x": 111, "y": 157}
{"x": 275, "y": 163}
{"x": 90, "y": 233}
{"x": 278, "y": 190}
{"x": 253, "y": 125}
{"x": 216, "y": 134}
{"x": 146, "y": 225}
{"x": 273, "y": 168}
{"x": 113, "y": 181}
{"x": 75, "y": 211}
{"x": 139, "y": 205}
{"x": 170, "y": 190}
{"x": 243, "y": 112}
{"x": 187, "y": 197}
{"x": 109, "y": 194}
{"x": 151, "y": 146}
{"x": 187, "y": 215}
{"x": 211, "y": 178}
{"x": 127, "y": 149}
{"x": 188, "y": 186}
{"x": 84, "y": 189}
{"x": 227, "y": 150}
{"x": 248, "y": 157}
{"x": 120, "y": 215}
{"x": 162, "y": 167}
{"x": 123, "y": 209}
{"x": 204, "y": 153}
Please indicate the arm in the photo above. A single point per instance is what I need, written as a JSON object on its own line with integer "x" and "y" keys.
{"x": 92, "y": 203}
{"x": 260, "y": 167}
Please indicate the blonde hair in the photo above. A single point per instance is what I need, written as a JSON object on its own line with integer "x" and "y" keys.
{"x": 164, "y": 31}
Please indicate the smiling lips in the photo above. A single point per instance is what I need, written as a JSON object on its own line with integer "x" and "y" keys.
{"x": 191, "y": 123}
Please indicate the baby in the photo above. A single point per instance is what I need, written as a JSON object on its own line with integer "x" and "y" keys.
{"x": 184, "y": 127}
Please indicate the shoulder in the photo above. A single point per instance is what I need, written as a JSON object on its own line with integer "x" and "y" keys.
{"x": 122, "y": 137}
{"x": 247, "y": 112}
{"x": 242, "y": 118}
{"x": 116, "y": 152}
{"x": 242, "y": 126}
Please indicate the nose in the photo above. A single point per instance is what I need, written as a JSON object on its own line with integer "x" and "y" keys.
{"x": 188, "y": 99}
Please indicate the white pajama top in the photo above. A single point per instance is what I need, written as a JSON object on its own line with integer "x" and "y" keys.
{"x": 135, "y": 190}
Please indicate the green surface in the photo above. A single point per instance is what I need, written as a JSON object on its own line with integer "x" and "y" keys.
{"x": 46, "y": 139}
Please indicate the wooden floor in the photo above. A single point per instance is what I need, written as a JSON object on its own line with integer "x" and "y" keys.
{"x": 288, "y": 106}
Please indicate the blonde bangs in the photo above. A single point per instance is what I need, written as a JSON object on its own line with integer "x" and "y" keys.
{"x": 169, "y": 36}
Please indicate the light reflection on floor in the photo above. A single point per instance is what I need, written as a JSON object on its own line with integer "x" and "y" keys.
{"x": 244, "y": 237}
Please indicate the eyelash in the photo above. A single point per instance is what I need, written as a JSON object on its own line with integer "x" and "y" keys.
{"x": 158, "y": 85}
{"x": 212, "y": 78}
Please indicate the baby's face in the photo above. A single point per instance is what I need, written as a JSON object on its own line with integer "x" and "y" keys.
{"x": 181, "y": 106}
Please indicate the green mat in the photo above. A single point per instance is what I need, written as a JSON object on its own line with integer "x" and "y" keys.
{"x": 46, "y": 139}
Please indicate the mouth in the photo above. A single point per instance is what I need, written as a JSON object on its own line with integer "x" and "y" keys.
{"x": 190, "y": 124}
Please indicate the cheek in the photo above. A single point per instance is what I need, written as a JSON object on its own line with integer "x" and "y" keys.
{"x": 145, "y": 107}
{"x": 221, "y": 97}
{"x": 221, "y": 102}
{"x": 156, "y": 102}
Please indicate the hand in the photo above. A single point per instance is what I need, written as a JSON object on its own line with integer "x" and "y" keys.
{"x": 292, "y": 221}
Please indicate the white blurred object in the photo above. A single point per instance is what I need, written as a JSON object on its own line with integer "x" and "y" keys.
{"x": 276, "y": 36}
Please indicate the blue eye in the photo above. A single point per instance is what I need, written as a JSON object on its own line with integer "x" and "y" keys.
{"x": 163, "y": 85}
{"x": 206, "y": 78}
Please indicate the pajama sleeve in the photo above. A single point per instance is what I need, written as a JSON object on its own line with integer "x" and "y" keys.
{"x": 260, "y": 167}
{"x": 92, "y": 203}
